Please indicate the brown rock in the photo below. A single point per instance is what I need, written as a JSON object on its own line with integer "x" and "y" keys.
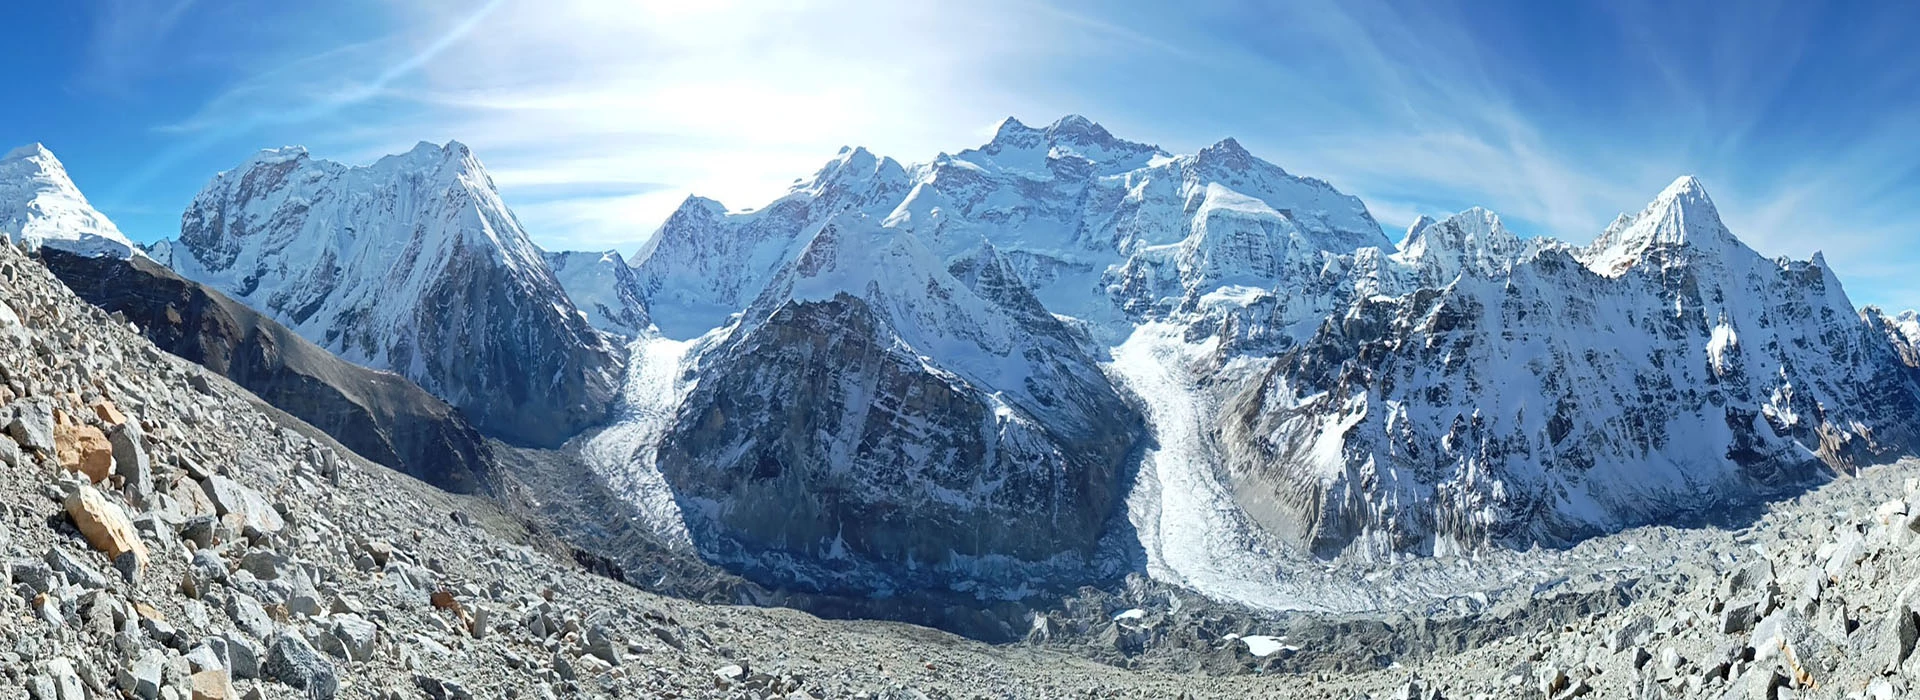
{"x": 108, "y": 413}
{"x": 190, "y": 499}
{"x": 212, "y": 684}
{"x": 105, "y": 525}
{"x": 82, "y": 448}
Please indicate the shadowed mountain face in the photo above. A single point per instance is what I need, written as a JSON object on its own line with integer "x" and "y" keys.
{"x": 379, "y": 415}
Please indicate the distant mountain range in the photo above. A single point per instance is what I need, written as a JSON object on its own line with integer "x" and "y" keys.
{"x": 1062, "y": 356}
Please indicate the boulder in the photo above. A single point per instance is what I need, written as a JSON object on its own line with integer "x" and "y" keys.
{"x": 82, "y": 448}
{"x": 76, "y": 571}
{"x": 212, "y": 684}
{"x": 140, "y": 678}
{"x": 350, "y": 637}
{"x": 290, "y": 660}
{"x": 130, "y": 462}
{"x": 253, "y": 510}
{"x": 104, "y": 524}
{"x": 32, "y": 425}
{"x": 66, "y": 681}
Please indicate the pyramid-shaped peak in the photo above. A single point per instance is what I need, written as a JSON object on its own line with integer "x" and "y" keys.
{"x": 32, "y": 150}
{"x": 1681, "y": 215}
{"x": 1074, "y": 126}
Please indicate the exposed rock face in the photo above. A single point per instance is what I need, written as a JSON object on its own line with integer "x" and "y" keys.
{"x": 1902, "y": 332}
{"x": 413, "y": 265}
{"x": 883, "y": 424}
{"x": 379, "y": 415}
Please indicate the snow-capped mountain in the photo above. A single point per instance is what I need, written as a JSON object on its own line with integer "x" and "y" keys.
{"x": 706, "y": 263}
{"x": 39, "y": 205}
{"x": 1901, "y": 330}
{"x": 412, "y": 264}
{"x": 879, "y": 419}
{"x": 1312, "y": 389}
{"x": 1664, "y": 370}
{"x": 605, "y": 288}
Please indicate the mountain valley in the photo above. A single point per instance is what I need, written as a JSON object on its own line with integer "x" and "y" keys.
{"x": 1137, "y": 423}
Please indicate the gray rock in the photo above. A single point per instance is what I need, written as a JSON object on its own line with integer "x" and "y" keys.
{"x": 32, "y": 424}
{"x": 290, "y": 660}
{"x": 201, "y": 531}
{"x": 35, "y": 576}
{"x": 265, "y": 564}
{"x": 141, "y": 678}
{"x": 66, "y": 680}
{"x": 130, "y": 461}
{"x": 1889, "y": 640}
{"x": 206, "y": 657}
{"x": 251, "y": 617}
{"x": 76, "y": 571}
{"x": 350, "y": 636}
{"x": 1739, "y": 616}
{"x": 600, "y": 643}
{"x": 231, "y": 498}
{"x": 128, "y": 566}
{"x": 10, "y": 456}
{"x": 441, "y": 689}
{"x": 242, "y": 654}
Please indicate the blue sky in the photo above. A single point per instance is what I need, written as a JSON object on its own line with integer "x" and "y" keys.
{"x": 597, "y": 116}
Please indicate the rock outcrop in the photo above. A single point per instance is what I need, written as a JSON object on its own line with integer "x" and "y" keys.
{"x": 379, "y": 415}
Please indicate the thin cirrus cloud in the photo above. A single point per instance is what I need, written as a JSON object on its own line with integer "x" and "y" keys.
{"x": 598, "y": 117}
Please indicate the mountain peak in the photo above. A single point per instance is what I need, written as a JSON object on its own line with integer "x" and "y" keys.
{"x": 40, "y": 205}
{"x": 1681, "y": 215}
{"x": 1229, "y": 153}
{"x": 1413, "y": 230}
{"x": 1072, "y": 135}
{"x": 31, "y": 150}
{"x": 1074, "y": 127}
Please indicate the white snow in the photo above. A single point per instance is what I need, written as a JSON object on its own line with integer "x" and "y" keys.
{"x": 40, "y": 206}
{"x": 1192, "y": 531}
{"x": 622, "y": 454}
{"x": 1263, "y": 645}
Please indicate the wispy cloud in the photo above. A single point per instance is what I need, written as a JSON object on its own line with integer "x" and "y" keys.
{"x": 597, "y": 116}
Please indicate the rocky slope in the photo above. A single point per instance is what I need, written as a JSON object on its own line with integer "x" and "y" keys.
{"x": 412, "y": 265}
{"x": 40, "y": 206}
{"x": 379, "y": 415}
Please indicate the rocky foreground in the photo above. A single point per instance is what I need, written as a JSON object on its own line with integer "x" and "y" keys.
{"x": 167, "y": 535}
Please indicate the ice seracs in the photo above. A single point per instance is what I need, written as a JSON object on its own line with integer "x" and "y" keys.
{"x": 40, "y": 206}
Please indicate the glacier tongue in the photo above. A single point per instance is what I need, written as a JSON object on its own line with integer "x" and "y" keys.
{"x": 1187, "y": 521}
